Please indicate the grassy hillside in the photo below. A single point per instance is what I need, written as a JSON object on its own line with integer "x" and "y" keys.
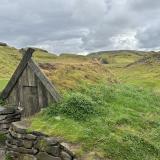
{"x": 121, "y": 58}
{"x": 66, "y": 71}
{"x": 109, "y": 110}
{"x": 10, "y": 58}
{"x": 115, "y": 122}
{"x": 143, "y": 72}
{"x": 134, "y": 67}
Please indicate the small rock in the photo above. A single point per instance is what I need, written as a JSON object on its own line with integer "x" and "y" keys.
{"x": 66, "y": 156}
{"x": 49, "y": 145}
{"x": 20, "y": 127}
{"x": 22, "y": 150}
{"x": 27, "y": 157}
{"x": 7, "y": 110}
{"x": 4, "y": 126}
{"x": 22, "y": 136}
{"x": 45, "y": 156}
{"x": 2, "y": 117}
{"x": 20, "y": 142}
{"x": 51, "y": 141}
{"x": 53, "y": 150}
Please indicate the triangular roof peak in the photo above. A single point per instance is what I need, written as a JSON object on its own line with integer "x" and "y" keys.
{"x": 27, "y": 55}
{"x": 24, "y": 63}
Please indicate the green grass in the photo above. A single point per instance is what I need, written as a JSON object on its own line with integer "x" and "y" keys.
{"x": 3, "y": 83}
{"x": 65, "y": 71}
{"x": 145, "y": 75}
{"x": 123, "y": 123}
{"x": 120, "y": 122}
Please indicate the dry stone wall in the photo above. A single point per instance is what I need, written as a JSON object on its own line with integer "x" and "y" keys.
{"x": 7, "y": 116}
{"x": 22, "y": 144}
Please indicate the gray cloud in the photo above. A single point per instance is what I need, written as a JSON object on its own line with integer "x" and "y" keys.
{"x": 81, "y": 25}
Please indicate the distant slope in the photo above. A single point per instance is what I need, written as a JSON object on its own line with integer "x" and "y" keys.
{"x": 118, "y": 52}
{"x": 66, "y": 71}
{"x": 152, "y": 58}
{"x": 121, "y": 57}
{"x": 143, "y": 72}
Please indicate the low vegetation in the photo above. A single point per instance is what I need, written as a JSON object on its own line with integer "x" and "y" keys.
{"x": 110, "y": 106}
{"x": 3, "y": 83}
{"x": 117, "y": 122}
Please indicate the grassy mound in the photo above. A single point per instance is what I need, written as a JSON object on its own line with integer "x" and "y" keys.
{"x": 116, "y": 122}
{"x": 70, "y": 76}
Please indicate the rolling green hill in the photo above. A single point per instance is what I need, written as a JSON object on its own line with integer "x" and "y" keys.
{"x": 143, "y": 72}
{"x": 121, "y": 57}
{"x": 111, "y": 102}
{"x": 9, "y": 59}
{"x": 66, "y": 71}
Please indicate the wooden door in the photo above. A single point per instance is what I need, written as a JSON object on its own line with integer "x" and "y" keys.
{"x": 30, "y": 100}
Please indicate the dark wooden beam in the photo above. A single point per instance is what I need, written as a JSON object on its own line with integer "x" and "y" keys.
{"x": 22, "y": 65}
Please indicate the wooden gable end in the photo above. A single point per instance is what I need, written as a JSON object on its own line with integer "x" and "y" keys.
{"x": 31, "y": 90}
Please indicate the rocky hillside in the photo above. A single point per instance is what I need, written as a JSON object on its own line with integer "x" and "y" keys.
{"x": 152, "y": 58}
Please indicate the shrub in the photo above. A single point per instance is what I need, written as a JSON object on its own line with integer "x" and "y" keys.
{"x": 78, "y": 106}
{"x": 104, "y": 61}
{"x": 75, "y": 106}
{"x": 100, "y": 94}
{"x": 8, "y": 157}
{"x": 2, "y": 102}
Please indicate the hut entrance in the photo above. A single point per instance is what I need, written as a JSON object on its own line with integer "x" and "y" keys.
{"x": 30, "y": 98}
{"x": 29, "y": 88}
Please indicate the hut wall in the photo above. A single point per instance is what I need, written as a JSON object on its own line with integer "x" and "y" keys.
{"x": 29, "y": 93}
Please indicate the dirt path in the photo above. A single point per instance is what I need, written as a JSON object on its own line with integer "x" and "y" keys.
{"x": 2, "y": 157}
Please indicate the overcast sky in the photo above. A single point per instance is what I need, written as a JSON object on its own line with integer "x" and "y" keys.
{"x": 81, "y": 25}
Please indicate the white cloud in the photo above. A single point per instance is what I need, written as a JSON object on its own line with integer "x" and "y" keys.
{"x": 81, "y": 25}
{"x": 126, "y": 40}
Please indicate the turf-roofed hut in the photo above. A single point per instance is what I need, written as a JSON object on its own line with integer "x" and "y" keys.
{"x": 29, "y": 88}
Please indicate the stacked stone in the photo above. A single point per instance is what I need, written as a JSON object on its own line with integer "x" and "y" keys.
{"x": 7, "y": 116}
{"x": 22, "y": 144}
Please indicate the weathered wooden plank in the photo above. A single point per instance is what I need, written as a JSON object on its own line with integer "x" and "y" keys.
{"x": 14, "y": 96}
{"x": 31, "y": 77}
{"x": 42, "y": 94}
{"x": 20, "y": 83}
{"x": 48, "y": 85}
{"x": 17, "y": 73}
{"x": 49, "y": 98}
{"x": 30, "y": 101}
